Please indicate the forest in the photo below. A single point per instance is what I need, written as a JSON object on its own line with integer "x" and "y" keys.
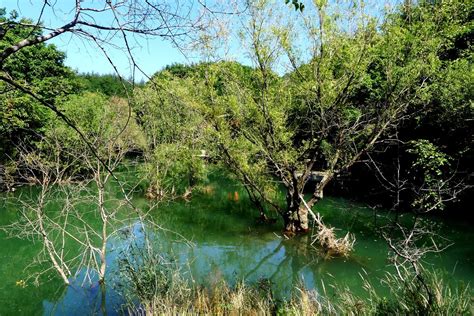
{"x": 327, "y": 170}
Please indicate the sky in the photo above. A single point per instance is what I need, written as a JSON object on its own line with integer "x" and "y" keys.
{"x": 151, "y": 54}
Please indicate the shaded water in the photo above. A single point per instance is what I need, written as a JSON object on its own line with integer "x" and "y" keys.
{"x": 227, "y": 243}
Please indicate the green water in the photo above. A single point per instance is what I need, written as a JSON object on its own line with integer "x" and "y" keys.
{"x": 226, "y": 243}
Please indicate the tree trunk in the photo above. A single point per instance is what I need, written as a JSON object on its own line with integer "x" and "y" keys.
{"x": 296, "y": 220}
{"x": 105, "y": 219}
{"x": 296, "y": 215}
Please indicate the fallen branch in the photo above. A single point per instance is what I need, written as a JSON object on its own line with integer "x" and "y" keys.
{"x": 326, "y": 237}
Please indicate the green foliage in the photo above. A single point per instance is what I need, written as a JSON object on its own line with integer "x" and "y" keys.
{"x": 107, "y": 124}
{"x": 166, "y": 111}
{"x": 428, "y": 167}
{"x": 450, "y": 109}
{"x": 175, "y": 121}
{"x": 172, "y": 169}
{"x": 180, "y": 71}
{"x": 174, "y": 133}
{"x": 109, "y": 85}
{"x": 432, "y": 40}
{"x": 228, "y": 99}
{"x": 428, "y": 158}
{"x": 39, "y": 68}
{"x": 297, "y": 4}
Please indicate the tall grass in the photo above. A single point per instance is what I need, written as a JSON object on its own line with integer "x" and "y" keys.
{"x": 157, "y": 287}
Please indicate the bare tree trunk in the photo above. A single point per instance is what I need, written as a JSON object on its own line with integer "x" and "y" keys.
{"x": 48, "y": 244}
{"x": 296, "y": 215}
{"x": 296, "y": 220}
{"x": 104, "y": 218}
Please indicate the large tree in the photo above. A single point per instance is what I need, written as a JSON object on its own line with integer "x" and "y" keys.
{"x": 173, "y": 128}
{"x": 41, "y": 69}
{"x": 353, "y": 80}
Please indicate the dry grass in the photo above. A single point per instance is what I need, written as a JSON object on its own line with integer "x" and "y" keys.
{"x": 326, "y": 238}
{"x": 161, "y": 288}
{"x": 179, "y": 297}
{"x": 175, "y": 296}
{"x": 184, "y": 299}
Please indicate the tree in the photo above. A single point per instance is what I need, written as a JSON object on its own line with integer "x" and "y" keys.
{"x": 63, "y": 157}
{"x": 110, "y": 85}
{"x": 421, "y": 162}
{"x": 173, "y": 128}
{"x": 41, "y": 69}
{"x": 314, "y": 122}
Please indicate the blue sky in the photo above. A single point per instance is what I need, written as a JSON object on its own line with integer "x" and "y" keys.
{"x": 151, "y": 54}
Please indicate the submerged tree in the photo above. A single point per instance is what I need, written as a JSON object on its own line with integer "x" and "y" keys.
{"x": 355, "y": 84}
{"x": 58, "y": 215}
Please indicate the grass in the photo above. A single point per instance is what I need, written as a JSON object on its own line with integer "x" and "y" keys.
{"x": 156, "y": 287}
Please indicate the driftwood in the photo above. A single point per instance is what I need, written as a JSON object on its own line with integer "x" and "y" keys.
{"x": 326, "y": 237}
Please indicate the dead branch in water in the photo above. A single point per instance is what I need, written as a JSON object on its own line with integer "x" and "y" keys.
{"x": 326, "y": 237}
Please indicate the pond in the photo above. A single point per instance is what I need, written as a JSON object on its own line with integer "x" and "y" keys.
{"x": 224, "y": 241}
